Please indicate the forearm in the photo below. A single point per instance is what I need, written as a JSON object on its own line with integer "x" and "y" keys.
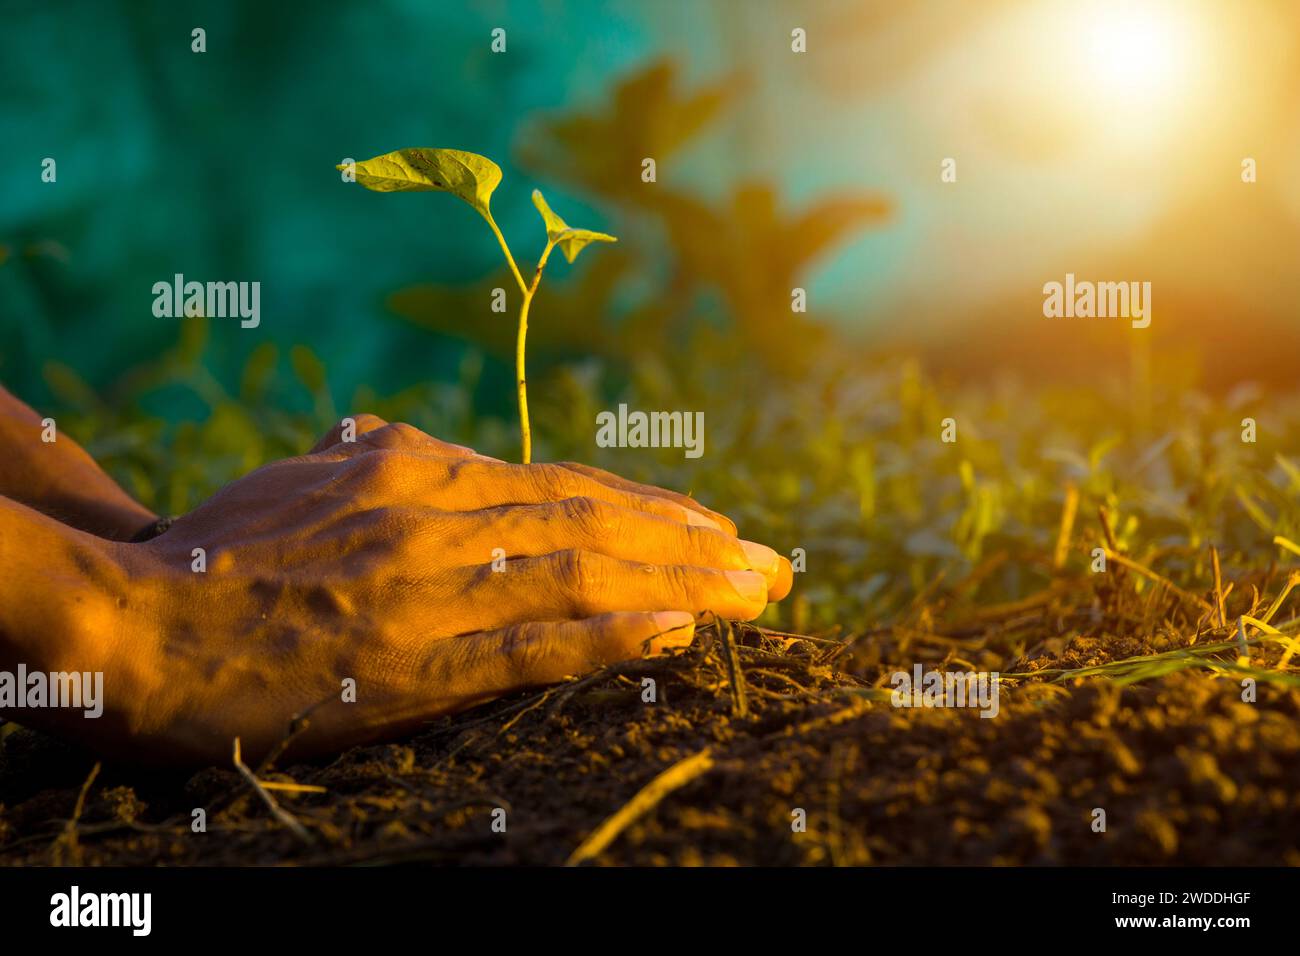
{"x": 64, "y": 607}
{"x": 59, "y": 479}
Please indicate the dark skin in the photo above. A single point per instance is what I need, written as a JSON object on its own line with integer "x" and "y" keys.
{"x": 368, "y": 561}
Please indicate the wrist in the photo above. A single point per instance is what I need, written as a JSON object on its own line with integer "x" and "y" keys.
{"x": 112, "y": 521}
{"x": 64, "y": 614}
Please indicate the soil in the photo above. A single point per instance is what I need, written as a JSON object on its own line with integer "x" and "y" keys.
{"x": 1184, "y": 769}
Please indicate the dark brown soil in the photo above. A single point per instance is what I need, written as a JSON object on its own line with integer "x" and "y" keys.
{"x": 1186, "y": 772}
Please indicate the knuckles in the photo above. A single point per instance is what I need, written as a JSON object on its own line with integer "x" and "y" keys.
{"x": 582, "y": 576}
{"x": 380, "y": 472}
{"x": 393, "y": 436}
{"x": 407, "y": 435}
{"x": 593, "y": 519}
{"x": 680, "y": 580}
{"x": 526, "y": 649}
{"x": 554, "y": 483}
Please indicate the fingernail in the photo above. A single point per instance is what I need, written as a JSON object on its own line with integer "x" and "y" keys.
{"x": 750, "y": 585}
{"x": 702, "y": 521}
{"x": 675, "y": 621}
{"x": 761, "y": 557}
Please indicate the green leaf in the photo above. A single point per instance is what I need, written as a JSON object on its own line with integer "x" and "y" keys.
{"x": 570, "y": 241}
{"x": 468, "y": 175}
{"x": 573, "y": 241}
{"x": 69, "y": 387}
{"x": 555, "y": 226}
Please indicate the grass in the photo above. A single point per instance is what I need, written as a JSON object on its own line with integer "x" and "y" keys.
{"x": 1124, "y": 689}
{"x": 907, "y": 539}
{"x": 845, "y": 462}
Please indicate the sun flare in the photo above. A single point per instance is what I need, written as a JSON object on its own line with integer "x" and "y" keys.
{"x": 1136, "y": 55}
{"x": 1138, "y": 50}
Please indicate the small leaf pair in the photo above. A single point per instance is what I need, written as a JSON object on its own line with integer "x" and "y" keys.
{"x": 473, "y": 178}
{"x": 571, "y": 241}
{"x": 469, "y": 176}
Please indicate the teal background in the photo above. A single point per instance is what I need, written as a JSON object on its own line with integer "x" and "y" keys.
{"x": 220, "y": 165}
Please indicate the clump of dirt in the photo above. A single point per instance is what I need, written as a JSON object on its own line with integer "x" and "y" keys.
{"x": 767, "y": 748}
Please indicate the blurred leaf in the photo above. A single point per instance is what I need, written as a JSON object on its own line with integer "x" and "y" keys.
{"x": 194, "y": 339}
{"x": 258, "y": 371}
{"x": 231, "y": 431}
{"x": 602, "y": 151}
{"x": 755, "y": 255}
{"x": 464, "y": 313}
{"x": 69, "y": 387}
{"x": 308, "y": 367}
{"x": 1292, "y": 471}
{"x": 49, "y": 249}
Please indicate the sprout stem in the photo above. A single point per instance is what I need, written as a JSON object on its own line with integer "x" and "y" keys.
{"x": 521, "y": 383}
{"x": 521, "y": 379}
{"x": 496, "y": 231}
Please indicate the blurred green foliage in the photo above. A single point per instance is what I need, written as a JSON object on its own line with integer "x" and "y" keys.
{"x": 845, "y": 462}
{"x": 809, "y": 442}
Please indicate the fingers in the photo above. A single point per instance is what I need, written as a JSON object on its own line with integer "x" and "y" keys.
{"x": 472, "y": 483}
{"x": 373, "y": 432}
{"x": 779, "y": 588}
{"x": 523, "y": 655}
{"x": 590, "y": 510}
{"x": 591, "y": 524}
{"x": 447, "y": 675}
{"x": 548, "y": 482}
{"x": 577, "y": 583}
{"x": 624, "y": 484}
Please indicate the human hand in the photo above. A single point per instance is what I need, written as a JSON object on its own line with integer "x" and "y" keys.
{"x": 433, "y": 577}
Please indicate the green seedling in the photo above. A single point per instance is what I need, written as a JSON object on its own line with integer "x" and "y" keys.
{"x": 473, "y": 178}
